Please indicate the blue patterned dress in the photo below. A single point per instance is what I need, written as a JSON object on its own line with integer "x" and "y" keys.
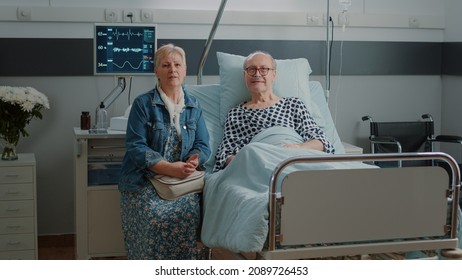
{"x": 155, "y": 228}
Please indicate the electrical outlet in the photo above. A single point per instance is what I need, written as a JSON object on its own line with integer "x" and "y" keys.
{"x": 129, "y": 15}
{"x": 312, "y": 19}
{"x": 343, "y": 19}
{"x": 24, "y": 14}
{"x": 147, "y": 16}
{"x": 414, "y": 22}
{"x": 111, "y": 15}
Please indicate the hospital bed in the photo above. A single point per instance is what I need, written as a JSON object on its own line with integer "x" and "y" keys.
{"x": 313, "y": 205}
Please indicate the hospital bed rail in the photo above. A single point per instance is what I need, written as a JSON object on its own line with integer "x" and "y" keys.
{"x": 275, "y": 196}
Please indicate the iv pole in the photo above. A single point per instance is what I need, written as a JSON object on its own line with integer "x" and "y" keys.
{"x": 209, "y": 41}
{"x": 327, "y": 52}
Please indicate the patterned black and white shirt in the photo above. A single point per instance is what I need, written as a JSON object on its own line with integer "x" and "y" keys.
{"x": 242, "y": 124}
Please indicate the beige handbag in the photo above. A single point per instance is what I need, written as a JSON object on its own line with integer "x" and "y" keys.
{"x": 170, "y": 188}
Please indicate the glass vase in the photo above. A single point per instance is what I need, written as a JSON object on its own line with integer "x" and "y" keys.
{"x": 9, "y": 151}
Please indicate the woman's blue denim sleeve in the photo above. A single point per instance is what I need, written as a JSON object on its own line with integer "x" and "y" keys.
{"x": 138, "y": 131}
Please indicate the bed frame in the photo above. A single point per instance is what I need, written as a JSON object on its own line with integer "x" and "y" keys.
{"x": 363, "y": 211}
{"x": 354, "y": 211}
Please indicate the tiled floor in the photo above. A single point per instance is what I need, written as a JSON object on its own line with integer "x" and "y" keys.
{"x": 56, "y": 247}
{"x": 61, "y": 247}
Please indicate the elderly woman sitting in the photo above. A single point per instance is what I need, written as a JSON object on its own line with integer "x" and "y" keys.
{"x": 166, "y": 134}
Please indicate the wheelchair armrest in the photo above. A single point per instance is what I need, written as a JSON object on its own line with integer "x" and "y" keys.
{"x": 383, "y": 140}
{"x": 448, "y": 139}
{"x": 386, "y": 140}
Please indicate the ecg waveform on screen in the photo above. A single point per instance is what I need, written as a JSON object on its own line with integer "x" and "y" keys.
{"x": 129, "y": 34}
{"x": 126, "y": 50}
{"x": 128, "y": 62}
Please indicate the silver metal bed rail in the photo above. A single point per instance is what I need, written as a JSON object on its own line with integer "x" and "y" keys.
{"x": 364, "y": 158}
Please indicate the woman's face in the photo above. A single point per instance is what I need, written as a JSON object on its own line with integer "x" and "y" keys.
{"x": 171, "y": 71}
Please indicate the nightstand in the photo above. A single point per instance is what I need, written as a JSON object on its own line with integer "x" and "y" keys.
{"x": 18, "y": 218}
{"x": 352, "y": 149}
{"x": 98, "y": 225}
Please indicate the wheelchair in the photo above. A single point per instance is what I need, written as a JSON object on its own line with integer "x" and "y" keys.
{"x": 408, "y": 137}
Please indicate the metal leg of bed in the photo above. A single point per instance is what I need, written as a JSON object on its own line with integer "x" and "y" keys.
{"x": 452, "y": 254}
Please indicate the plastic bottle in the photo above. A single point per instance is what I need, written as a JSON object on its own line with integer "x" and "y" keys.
{"x": 85, "y": 121}
{"x": 101, "y": 117}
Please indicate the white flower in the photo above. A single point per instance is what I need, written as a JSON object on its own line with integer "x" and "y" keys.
{"x": 18, "y": 106}
{"x": 26, "y": 97}
{"x": 27, "y": 106}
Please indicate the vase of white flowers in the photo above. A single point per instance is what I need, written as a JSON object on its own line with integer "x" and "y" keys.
{"x": 18, "y": 106}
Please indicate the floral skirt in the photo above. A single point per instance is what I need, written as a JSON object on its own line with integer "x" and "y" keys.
{"x": 155, "y": 228}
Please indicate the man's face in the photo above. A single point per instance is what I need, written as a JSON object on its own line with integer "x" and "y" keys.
{"x": 256, "y": 82}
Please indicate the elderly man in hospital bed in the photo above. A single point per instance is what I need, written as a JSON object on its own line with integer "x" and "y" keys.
{"x": 258, "y": 134}
{"x": 264, "y": 110}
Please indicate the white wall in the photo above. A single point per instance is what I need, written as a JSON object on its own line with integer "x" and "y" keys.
{"x": 384, "y": 97}
{"x": 452, "y": 85}
{"x": 453, "y": 32}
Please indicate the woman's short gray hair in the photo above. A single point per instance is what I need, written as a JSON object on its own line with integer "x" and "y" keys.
{"x": 166, "y": 50}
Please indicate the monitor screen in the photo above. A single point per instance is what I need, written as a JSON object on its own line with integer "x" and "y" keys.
{"x": 124, "y": 49}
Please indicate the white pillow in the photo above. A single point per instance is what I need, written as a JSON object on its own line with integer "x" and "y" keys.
{"x": 292, "y": 79}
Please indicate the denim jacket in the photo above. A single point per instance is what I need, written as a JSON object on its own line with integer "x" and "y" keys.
{"x": 147, "y": 131}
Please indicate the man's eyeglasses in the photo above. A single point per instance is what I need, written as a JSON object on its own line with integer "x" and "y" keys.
{"x": 253, "y": 70}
